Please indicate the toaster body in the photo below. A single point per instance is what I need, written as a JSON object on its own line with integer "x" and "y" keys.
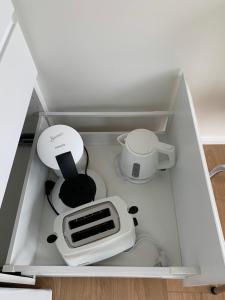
{"x": 94, "y": 231}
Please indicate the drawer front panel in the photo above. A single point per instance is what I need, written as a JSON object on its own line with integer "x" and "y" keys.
{"x": 17, "y": 79}
{"x": 90, "y": 271}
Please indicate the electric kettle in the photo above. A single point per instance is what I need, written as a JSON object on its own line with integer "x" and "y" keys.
{"x": 139, "y": 158}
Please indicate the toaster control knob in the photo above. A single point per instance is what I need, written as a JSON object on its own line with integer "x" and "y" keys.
{"x": 51, "y": 238}
{"x": 133, "y": 210}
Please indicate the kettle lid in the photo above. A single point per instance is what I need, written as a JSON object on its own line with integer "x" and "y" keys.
{"x": 141, "y": 141}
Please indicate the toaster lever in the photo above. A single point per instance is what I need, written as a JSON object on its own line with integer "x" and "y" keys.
{"x": 135, "y": 222}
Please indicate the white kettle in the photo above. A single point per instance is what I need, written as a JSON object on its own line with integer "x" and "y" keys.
{"x": 139, "y": 159}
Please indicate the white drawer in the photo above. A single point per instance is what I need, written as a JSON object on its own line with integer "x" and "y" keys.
{"x": 178, "y": 208}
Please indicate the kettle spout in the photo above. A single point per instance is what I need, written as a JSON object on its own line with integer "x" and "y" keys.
{"x": 121, "y": 139}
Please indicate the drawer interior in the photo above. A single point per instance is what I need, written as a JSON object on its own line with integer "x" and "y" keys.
{"x": 156, "y": 214}
{"x": 171, "y": 197}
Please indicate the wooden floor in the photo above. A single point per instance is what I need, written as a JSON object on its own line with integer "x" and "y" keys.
{"x": 143, "y": 289}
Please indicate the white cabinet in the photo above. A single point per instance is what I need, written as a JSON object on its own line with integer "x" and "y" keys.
{"x": 177, "y": 208}
{"x": 17, "y": 78}
{"x": 6, "y": 22}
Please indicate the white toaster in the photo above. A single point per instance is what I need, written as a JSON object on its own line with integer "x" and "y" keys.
{"x": 94, "y": 231}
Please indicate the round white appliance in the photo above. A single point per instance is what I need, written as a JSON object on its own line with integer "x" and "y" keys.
{"x": 59, "y": 139}
{"x": 61, "y": 148}
{"x": 62, "y": 207}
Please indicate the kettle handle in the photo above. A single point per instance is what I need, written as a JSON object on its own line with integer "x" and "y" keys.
{"x": 121, "y": 139}
{"x": 168, "y": 150}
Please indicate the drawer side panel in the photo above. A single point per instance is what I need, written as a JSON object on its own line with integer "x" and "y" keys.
{"x": 25, "y": 235}
{"x": 200, "y": 233}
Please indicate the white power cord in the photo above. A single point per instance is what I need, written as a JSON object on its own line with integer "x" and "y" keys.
{"x": 217, "y": 169}
{"x": 158, "y": 254}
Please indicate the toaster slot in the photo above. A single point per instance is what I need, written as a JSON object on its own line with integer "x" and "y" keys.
{"x": 96, "y": 216}
{"x": 92, "y": 231}
{"x": 90, "y": 224}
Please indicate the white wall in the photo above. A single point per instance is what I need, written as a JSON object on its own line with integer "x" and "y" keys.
{"x": 111, "y": 53}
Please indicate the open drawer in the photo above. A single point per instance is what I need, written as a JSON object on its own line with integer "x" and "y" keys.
{"x": 177, "y": 208}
